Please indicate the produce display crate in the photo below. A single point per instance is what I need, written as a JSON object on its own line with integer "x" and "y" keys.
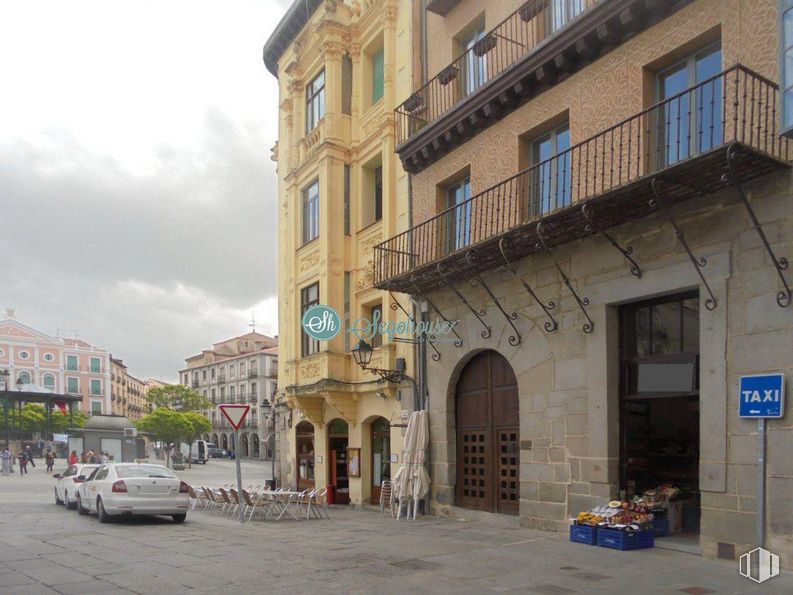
{"x": 583, "y": 534}
{"x": 661, "y": 527}
{"x": 625, "y": 540}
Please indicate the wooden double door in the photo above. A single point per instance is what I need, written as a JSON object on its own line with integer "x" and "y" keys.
{"x": 488, "y": 436}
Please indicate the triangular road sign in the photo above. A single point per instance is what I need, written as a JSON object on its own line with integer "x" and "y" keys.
{"x": 235, "y": 414}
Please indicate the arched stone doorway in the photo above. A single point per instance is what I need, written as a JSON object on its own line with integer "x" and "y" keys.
{"x": 224, "y": 443}
{"x": 488, "y": 435}
{"x": 244, "y": 446}
{"x": 381, "y": 455}
{"x": 338, "y": 440}
{"x": 232, "y": 445}
{"x": 215, "y": 439}
{"x": 256, "y": 446}
{"x": 304, "y": 455}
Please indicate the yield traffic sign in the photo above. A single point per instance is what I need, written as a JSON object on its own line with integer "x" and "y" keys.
{"x": 235, "y": 414}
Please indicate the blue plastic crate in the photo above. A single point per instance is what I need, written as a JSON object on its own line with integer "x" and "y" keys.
{"x": 625, "y": 540}
{"x": 583, "y": 534}
{"x": 661, "y": 527}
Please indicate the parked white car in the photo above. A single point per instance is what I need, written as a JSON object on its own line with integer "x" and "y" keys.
{"x": 68, "y": 483}
{"x": 133, "y": 488}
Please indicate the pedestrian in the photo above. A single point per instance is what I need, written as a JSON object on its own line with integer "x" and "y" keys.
{"x": 29, "y": 455}
{"x": 50, "y": 461}
{"x": 73, "y": 458}
{"x": 104, "y": 460}
{"x": 92, "y": 458}
{"x": 6, "y": 458}
{"x": 22, "y": 457}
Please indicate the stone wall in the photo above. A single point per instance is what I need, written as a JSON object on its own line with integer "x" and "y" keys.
{"x": 568, "y": 381}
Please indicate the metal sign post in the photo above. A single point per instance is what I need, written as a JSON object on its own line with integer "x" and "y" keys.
{"x": 240, "y": 499}
{"x": 236, "y": 416}
{"x": 761, "y": 457}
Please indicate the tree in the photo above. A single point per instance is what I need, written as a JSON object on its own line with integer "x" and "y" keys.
{"x": 61, "y": 422}
{"x": 166, "y": 426}
{"x": 200, "y": 425}
{"x": 177, "y": 397}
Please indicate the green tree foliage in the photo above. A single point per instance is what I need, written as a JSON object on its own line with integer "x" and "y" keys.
{"x": 200, "y": 425}
{"x": 33, "y": 418}
{"x": 177, "y": 398}
{"x": 166, "y": 426}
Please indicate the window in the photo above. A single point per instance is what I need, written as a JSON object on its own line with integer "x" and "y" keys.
{"x": 346, "y": 199}
{"x": 213, "y": 395}
{"x": 458, "y": 221}
{"x": 212, "y": 373}
{"x": 564, "y": 11}
{"x": 203, "y": 375}
{"x": 551, "y": 179}
{"x": 96, "y": 386}
{"x": 48, "y": 357}
{"x": 346, "y": 84}
{"x": 253, "y": 389}
{"x": 376, "y": 317}
{"x": 231, "y": 391}
{"x": 72, "y": 386}
{"x": 786, "y": 67}
{"x": 232, "y": 370}
{"x": 49, "y": 381}
{"x": 690, "y": 123}
{"x": 311, "y": 212}
{"x": 475, "y": 74}
{"x": 71, "y": 362}
{"x": 242, "y": 368}
{"x": 309, "y": 296}
{"x": 347, "y": 291}
{"x": 96, "y": 365}
{"x": 24, "y": 377}
{"x": 96, "y": 407}
{"x": 24, "y": 355}
{"x": 378, "y": 193}
{"x": 377, "y": 75}
{"x": 315, "y": 101}
{"x": 222, "y": 392}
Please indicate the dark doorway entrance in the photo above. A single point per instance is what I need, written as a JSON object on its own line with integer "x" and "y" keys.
{"x": 659, "y": 403}
{"x": 381, "y": 456}
{"x": 488, "y": 434}
{"x": 338, "y": 441}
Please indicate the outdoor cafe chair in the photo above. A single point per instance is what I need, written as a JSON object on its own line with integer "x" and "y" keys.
{"x": 197, "y": 497}
{"x": 253, "y": 505}
{"x": 210, "y": 498}
{"x": 228, "y": 505}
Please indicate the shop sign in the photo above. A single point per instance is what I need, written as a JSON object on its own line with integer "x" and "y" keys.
{"x": 762, "y": 396}
{"x": 321, "y": 322}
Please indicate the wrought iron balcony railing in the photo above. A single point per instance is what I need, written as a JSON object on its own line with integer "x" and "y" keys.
{"x": 680, "y": 140}
{"x": 509, "y": 41}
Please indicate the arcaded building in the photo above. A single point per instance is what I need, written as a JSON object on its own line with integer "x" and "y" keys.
{"x": 601, "y": 196}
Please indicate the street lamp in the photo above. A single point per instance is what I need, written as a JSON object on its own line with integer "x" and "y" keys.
{"x": 362, "y": 354}
{"x": 4, "y": 375}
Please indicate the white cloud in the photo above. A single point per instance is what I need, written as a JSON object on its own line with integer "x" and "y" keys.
{"x": 137, "y": 196}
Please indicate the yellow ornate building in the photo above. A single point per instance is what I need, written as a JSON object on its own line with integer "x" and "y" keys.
{"x": 129, "y": 393}
{"x": 342, "y": 67}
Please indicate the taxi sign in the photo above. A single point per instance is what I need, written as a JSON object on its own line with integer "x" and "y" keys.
{"x": 235, "y": 414}
{"x": 762, "y": 396}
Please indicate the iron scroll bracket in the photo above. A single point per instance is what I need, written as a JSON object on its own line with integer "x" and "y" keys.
{"x": 699, "y": 262}
{"x": 485, "y": 334}
{"x": 472, "y": 258}
{"x": 459, "y": 341}
{"x": 781, "y": 264}
{"x": 589, "y": 326}
{"x": 588, "y": 212}
{"x": 551, "y": 325}
{"x": 436, "y": 357}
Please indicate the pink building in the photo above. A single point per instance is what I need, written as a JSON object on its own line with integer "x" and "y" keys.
{"x": 67, "y": 366}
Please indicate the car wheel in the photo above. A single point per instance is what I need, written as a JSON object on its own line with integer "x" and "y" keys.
{"x": 101, "y": 513}
{"x": 179, "y": 518}
{"x": 58, "y": 501}
{"x": 81, "y": 510}
{"x": 69, "y": 504}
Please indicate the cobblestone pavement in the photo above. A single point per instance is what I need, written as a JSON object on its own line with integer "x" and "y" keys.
{"x": 47, "y": 549}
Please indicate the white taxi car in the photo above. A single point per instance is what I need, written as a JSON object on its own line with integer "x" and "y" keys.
{"x": 133, "y": 488}
{"x": 68, "y": 483}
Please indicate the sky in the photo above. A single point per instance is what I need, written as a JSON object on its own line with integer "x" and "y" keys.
{"x": 137, "y": 194}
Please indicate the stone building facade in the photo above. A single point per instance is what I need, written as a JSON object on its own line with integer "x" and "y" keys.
{"x": 659, "y": 117}
{"x": 128, "y": 393}
{"x": 341, "y": 66}
{"x": 238, "y": 370}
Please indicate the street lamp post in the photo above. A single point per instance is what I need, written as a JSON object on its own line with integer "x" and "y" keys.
{"x": 4, "y": 375}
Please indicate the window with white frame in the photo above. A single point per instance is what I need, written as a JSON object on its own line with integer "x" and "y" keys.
{"x": 48, "y": 380}
{"x": 72, "y": 385}
{"x": 96, "y": 386}
{"x": 71, "y": 362}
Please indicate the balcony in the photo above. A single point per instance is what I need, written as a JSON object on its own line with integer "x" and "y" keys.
{"x": 540, "y": 44}
{"x": 682, "y": 142}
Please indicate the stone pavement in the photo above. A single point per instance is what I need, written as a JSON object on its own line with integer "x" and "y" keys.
{"x": 47, "y": 549}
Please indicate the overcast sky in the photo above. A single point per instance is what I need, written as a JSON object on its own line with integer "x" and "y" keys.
{"x": 137, "y": 195}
